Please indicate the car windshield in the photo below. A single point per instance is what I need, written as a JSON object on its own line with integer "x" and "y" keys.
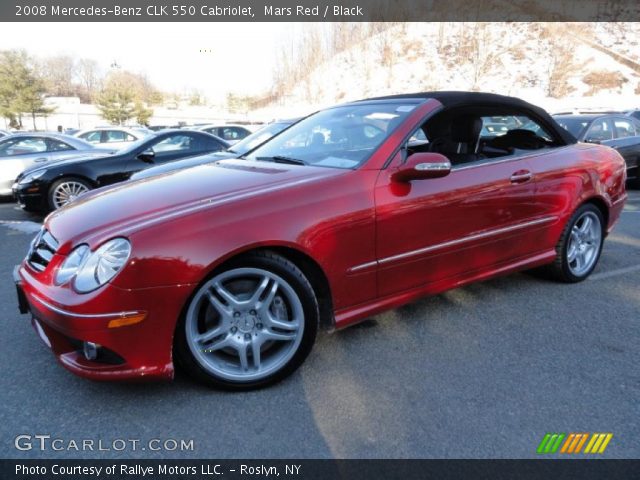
{"x": 257, "y": 138}
{"x": 574, "y": 125}
{"x": 340, "y": 137}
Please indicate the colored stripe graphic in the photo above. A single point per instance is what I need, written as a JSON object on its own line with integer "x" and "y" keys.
{"x": 598, "y": 443}
{"x": 550, "y": 443}
{"x": 573, "y": 443}
{"x": 543, "y": 443}
{"x": 581, "y": 443}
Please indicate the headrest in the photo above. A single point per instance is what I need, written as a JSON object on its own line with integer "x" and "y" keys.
{"x": 466, "y": 129}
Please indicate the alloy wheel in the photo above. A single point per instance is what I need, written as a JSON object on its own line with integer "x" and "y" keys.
{"x": 244, "y": 324}
{"x": 67, "y": 192}
{"x": 584, "y": 243}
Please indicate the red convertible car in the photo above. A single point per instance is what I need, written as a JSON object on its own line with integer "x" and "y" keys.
{"x": 231, "y": 268}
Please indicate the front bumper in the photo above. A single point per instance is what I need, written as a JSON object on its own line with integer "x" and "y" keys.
{"x": 31, "y": 197}
{"x": 64, "y": 320}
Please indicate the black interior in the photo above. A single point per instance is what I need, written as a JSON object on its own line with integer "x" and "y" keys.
{"x": 456, "y": 133}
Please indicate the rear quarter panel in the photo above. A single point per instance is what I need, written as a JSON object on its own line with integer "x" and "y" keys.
{"x": 576, "y": 174}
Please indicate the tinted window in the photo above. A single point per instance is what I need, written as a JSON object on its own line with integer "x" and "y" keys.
{"x": 209, "y": 145}
{"x": 22, "y": 146}
{"x": 576, "y": 126}
{"x": 624, "y": 128}
{"x": 58, "y": 146}
{"x": 92, "y": 137}
{"x": 175, "y": 143}
{"x": 115, "y": 136}
{"x": 232, "y": 133}
{"x": 599, "y": 131}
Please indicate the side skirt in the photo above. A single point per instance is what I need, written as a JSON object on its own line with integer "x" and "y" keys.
{"x": 352, "y": 315}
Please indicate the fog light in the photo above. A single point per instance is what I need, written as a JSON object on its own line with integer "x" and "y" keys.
{"x": 90, "y": 350}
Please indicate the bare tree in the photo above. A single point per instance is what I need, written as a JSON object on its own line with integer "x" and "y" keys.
{"x": 482, "y": 51}
{"x": 58, "y": 75}
{"x": 89, "y": 78}
{"x": 561, "y": 68}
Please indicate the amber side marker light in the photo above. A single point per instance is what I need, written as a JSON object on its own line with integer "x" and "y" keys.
{"x": 125, "y": 321}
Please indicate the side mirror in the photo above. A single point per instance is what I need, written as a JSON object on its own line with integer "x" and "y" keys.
{"x": 147, "y": 156}
{"x": 420, "y": 166}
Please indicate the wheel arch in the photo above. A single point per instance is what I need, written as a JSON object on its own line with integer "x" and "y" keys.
{"x": 306, "y": 263}
{"x": 601, "y": 205}
{"x": 77, "y": 176}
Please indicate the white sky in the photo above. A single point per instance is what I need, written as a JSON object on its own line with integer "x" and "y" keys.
{"x": 241, "y": 57}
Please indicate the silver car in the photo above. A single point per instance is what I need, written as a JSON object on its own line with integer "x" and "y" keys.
{"x": 22, "y": 150}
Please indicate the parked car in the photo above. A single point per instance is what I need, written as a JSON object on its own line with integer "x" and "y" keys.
{"x": 634, "y": 113}
{"x": 616, "y": 131}
{"x": 230, "y": 133}
{"x": 115, "y": 137}
{"x": 493, "y": 129}
{"x": 231, "y": 268}
{"x": 237, "y": 150}
{"x": 157, "y": 128}
{"x": 52, "y": 186}
{"x": 4, "y": 133}
{"x": 23, "y": 150}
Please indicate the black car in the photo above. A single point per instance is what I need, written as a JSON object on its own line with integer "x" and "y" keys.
{"x": 614, "y": 130}
{"x": 633, "y": 113}
{"x": 243, "y": 146}
{"x": 46, "y": 188}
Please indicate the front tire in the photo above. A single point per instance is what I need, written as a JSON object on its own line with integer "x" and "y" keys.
{"x": 65, "y": 191}
{"x": 580, "y": 245}
{"x": 251, "y": 324}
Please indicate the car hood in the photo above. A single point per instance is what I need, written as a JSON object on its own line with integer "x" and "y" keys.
{"x": 122, "y": 209}
{"x": 72, "y": 157}
{"x": 184, "y": 163}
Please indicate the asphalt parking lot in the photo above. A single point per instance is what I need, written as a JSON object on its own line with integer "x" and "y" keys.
{"x": 482, "y": 371}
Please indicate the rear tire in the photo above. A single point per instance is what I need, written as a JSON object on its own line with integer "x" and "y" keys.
{"x": 251, "y": 324}
{"x": 580, "y": 245}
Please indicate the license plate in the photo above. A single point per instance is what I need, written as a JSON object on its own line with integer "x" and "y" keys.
{"x": 23, "y": 305}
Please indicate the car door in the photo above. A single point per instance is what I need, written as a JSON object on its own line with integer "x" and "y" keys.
{"x": 27, "y": 151}
{"x": 601, "y": 132}
{"x": 163, "y": 149}
{"x": 479, "y": 217}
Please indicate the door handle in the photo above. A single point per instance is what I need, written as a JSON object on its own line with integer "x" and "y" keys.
{"x": 41, "y": 159}
{"x": 521, "y": 176}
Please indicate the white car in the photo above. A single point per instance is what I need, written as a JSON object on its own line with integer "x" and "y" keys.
{"x": 112, "y": 137}
{"x": 24, "y": 150}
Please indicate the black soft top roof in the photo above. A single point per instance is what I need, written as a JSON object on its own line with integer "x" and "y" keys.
{"x": 451, "y": 99}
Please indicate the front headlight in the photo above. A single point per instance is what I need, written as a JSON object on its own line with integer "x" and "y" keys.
{"x": 31, "y": 177}
{"x": 102, "y": 265}
{"x": 72, "y": 264}
{"x": 90, "y": 270}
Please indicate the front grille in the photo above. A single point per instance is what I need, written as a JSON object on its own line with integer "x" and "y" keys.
{"x": 43, "y": 247}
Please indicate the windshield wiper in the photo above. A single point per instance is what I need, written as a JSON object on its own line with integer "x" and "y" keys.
{"x": 281, "y": 159}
